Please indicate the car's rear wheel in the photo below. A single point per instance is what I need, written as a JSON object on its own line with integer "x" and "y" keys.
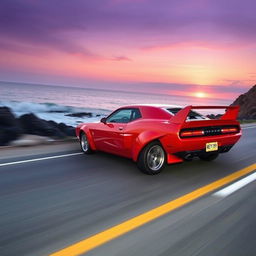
{"x": 84, "y": 143}
{"x": 209, "y": 156}
{"x": 152, "y": 158}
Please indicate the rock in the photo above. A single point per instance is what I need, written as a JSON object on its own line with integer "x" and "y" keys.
{"x": 56, "y": 111}
{"x": 68, "y": 130}
{"x": 9, "y": 127}
{"x": 80, "y": 114}
{"x": 31, "y": 124}
{"x": 6, "y": 117}
{"x": 212, "y": 116}
{"x": 247, "y": 103}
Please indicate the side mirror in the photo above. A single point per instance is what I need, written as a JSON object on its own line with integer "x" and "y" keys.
{"x": 103, "y": 120}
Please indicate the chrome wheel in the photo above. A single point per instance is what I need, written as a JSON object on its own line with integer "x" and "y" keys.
{"x": 155, "y": 157}
{"x": 84, "y": 143}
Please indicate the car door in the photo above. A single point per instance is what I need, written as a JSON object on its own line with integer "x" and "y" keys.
{"x": 109, "y": 136}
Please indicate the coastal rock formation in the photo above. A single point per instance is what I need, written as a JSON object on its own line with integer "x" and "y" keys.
{"x": 80, "y": 114}
{"x": 66, "y": 129}
{"x": 247, "y": 103}
{"x": 31, "y": 124}
{"x": 212, "y": 116}
{"x": 11, "y": 127}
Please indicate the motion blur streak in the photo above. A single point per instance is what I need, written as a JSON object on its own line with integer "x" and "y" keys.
{"x": 237, "y": 185}
{"x": 133, "y": 223}
{"x": 39, "y": 159}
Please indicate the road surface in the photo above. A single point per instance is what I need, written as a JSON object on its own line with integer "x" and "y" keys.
{"x": 52, "y": 197}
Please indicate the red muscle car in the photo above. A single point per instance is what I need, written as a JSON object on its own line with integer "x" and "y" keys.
{"x": 153, "y": 135}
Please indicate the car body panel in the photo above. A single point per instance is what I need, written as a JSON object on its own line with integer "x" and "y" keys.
{"x": 108, "y": 137}
{"x": 155, "y": 123}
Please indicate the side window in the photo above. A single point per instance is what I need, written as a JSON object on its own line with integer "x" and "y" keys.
{"x": 135, "y": 114}
{"x": 121, "y": 116}
{"x": 124, "y": 115}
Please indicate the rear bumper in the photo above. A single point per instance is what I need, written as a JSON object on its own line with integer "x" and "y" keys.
{"x": 174, "y": 143}
{"x": 178, "y": 149}
{"x": 188, "y": 155}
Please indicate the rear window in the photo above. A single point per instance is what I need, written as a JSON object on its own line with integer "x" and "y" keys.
{"x": 192, "y": 115}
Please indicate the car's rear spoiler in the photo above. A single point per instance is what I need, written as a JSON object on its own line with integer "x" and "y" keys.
{"x": 181, "y": 116}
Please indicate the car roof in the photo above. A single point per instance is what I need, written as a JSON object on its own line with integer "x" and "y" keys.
{"x": 153, "y": 105}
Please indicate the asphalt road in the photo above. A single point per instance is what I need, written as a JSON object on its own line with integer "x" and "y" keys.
{"x": 53, "y": 203}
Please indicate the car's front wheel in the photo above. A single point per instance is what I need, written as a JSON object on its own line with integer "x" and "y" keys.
{"x": 84, "y": 143}
{"x": 152, "y": 158}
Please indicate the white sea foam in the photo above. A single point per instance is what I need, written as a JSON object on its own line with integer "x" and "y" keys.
{"x": 55, "y": 112}
{"x": 33, "y": 98}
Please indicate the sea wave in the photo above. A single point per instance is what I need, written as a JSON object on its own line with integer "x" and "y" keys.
{"x": 56, "y": 112}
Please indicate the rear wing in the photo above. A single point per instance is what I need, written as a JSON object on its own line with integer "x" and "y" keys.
{"x": 181, "y": 116}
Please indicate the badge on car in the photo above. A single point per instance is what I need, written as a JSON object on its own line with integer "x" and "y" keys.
{"x": 211, "y": 146}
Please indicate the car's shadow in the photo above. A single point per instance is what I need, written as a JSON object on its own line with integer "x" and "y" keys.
{"x": 195, "y": 170}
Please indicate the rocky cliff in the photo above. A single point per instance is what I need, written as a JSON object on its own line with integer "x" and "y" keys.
{"x": 247, "y": 103}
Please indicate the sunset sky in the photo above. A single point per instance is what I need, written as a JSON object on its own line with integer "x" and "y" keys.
{"x": 200, "y": 48}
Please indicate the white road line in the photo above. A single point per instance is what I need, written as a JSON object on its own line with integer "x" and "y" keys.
{"x": 235, "y": 186}
{"x": 40, "y": 159}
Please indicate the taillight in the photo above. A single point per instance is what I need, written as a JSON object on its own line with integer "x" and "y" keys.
{"x": 208, "y": 131}
{"x": 229, "y": 130}
{"x": 195, "y": 133}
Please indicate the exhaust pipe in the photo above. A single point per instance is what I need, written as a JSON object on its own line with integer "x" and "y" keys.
{"x": 188, "y": 157}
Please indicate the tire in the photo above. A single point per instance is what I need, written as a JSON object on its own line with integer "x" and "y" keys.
{"x": 152, "y": 158}
{"x": 209, "y": 156}
{"x": 84, "y": 143}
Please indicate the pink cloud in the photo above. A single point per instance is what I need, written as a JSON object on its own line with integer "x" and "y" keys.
{"x": 121, "y": 58}
{"x": 198, "y": 45}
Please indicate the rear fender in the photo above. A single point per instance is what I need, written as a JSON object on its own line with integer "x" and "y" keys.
{"x": 87, "y": 131}
{"x": 142, "y": 140}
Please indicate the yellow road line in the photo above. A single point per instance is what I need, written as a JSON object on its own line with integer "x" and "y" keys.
{"x": 98, "y": 239}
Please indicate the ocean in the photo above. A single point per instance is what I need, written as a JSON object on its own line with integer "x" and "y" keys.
{"x": 56, "y": 102}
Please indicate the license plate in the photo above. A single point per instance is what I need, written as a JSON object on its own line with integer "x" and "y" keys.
{"x": 211, "y": 146}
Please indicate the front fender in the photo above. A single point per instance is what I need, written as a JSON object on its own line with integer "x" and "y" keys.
{"x": 86, "y": 130}
{"x": 142, "y": 140}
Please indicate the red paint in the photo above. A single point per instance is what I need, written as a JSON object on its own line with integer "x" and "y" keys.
{"x": 175, "y": 133}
